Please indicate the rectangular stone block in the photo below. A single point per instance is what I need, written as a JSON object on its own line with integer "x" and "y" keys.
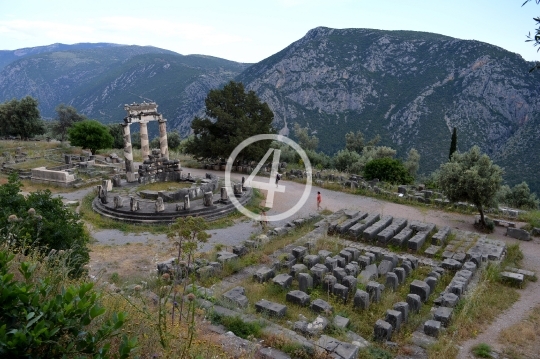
{"x": 305, "y": 282}
{"x": 416, "y": 242}
{"x": 310, "y": 260}
{"x": 345, "y": 226}
{"x": 368, "y": 274}
{"x": 350, "y": 282}
{"x": 339, "y": 273}
{"x": 320, "y": 306}
{"x": 432, "y": 328}
{"x": 402, "y": 307}
{"x": 443, "y": 315}
{"x": 318, "y": 271}
{"x": 357, "y": 230}
{"x": 283, "y": 280}
{"x": 237, "y": 297}
{"x": 420, "y": 288}
{"x": 439, "y": 238}
{"x": 298, "y": 297}
{"x": 361, "y": 299}
{"x": 263, "y": 274}
{"x": 384, "y": 267}
{"x": 395, "y": 318}
{"x": 392, "y": 281}
{"x": 347, "y": 255}
{"x": 298, "y": 268}
{"x": 341, "y": 291}
{"x": 355, "y": 252}
{"x": 270, "y": 308}
{"x": 382, "y": 331}
{"x": 415, "y": 303}
{"x": 401, "y": 238}
{"x": 328, "y": 283}
{"x": 374, "y": 290}
{"x": 401, "y": 274}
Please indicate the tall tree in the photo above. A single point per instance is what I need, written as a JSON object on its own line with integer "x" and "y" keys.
{"x": 117, "y": 133}
{"x": 21, "y": 118}
{"x": 472, "y": 177}
{"x": 307, "y": 142}
{"x": 232, "y": 115}
{"x": 66, "y": 116}
{"x": 354, "y": 141}
{"x": 413, "y": 162}
{"x": 453, "y": 144}
{"x": 90, "y": 134}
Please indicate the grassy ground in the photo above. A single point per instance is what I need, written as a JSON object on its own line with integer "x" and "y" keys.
{"x": 164, "y": 186}
{"x": 522, "y": 340}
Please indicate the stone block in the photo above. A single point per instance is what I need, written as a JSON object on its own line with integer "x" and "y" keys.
{"x": 372, "y": 256}
{"x": 350, "y": 282}
{"x": 392, "y": 281}
{"x": 328, "y": 283}
{"x": 224, "y": 257}
{"x": 391, "y": 258}
{"x": 443, "y": 315}
{"x": 417, "y": 241}
{"x": 331, "y": 263}
{"x": 237, "y": 297}
{"x": 320, "y": 306}
{"x": 470, "y": 266}
{"x": 439, "y": 238}
{"x": 364, "y": 261}
{"x": 407, "y": 268}
{"x": 515, "y": 278}
{"x": 382, "y": 331}
{"x": 374, "y": 290}
{"x": 357, "y": 230}
{"x": 401, "y": 274}
{"x": 460, "y": 257}
{"x": 318, "y": 271}
{"x": 283, "y": 280}
{"x": 401, "y": 239}
{"x": 395, "y": 318}
{"x": 432, "y": 282}
{"x": 352, "y": 269}
{"x": 384, "y": 267}
{"x": 298, "y": 297}
{"x": 263, "y": 274}
{"x": 518, "y": 233}
{"x": 355, "y": 252}
{"x": 347, "y": 255}
{"x": 298, "y": 268}
{"x": 449, "y": 300}
{"x": 341, "y": 322}
{"x": 415, "y": 303}
{"x": 240, "y": 250}
{"x": 339, "y": 273}
{"x": 402, "y": 307}
{"x": 420, "y": 288}
{"x": 465, "y": 274}
{"x": 270, "y": 308}
{"x": 341, "y": 262}
{"x": 368, "y": 274}
{"x": 432, "y": 328}
{"x": 299, "y": 253}
{"x": 310, "y": 260}
{"x": 361, "y": 299}
{"x": 305, "y": 282}
{"x": 323, "y": 253}
{"x": 451, "y": 264}
{"x": 341, "y": 291}
{"x": 431, "y": 251}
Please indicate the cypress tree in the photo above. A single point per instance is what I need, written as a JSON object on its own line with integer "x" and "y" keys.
{"x": 453, "y": 144}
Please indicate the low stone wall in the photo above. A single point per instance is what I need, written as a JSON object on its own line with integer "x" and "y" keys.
{"x": 58, "y": 178}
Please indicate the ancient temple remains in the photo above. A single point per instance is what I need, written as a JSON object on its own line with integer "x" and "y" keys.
{"x": 157, "y": 164}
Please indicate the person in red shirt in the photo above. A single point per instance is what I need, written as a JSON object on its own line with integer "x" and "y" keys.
{"x": 319, "y": 200}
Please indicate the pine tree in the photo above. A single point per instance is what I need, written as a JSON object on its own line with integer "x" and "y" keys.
{"x": 453, "y": 144}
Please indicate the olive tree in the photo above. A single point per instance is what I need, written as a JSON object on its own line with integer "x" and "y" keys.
{"x": 471, "y": 177}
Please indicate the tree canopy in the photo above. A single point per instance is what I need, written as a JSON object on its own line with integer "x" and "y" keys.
{"x": 471, "y": 177}
{"x": 519, "y": 196}
{"x": 232, "y": 115}
{"x": 90, "y": 134}
{"x": 413, "y": 162}
{"x": 387, "y": 169}
{"x": 535, "y": 38}
{"x": 66, "y": 116}
{"x": 21, "y": 118}
{"x": 307, "y": 142}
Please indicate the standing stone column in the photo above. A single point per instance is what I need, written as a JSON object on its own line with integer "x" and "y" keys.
{"x": 224, "y": 195}
{"x": 207, "y": 199}
{"x": 186, "y": 202}
{"x": 145, "y": 147}
{"x": 163, "y": 146}
{"x": 128, "y": 153}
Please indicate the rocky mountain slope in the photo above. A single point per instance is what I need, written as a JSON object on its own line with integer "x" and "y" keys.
{"x": 412, "y": 88}
{"x": 409, "y": 87}
{"x": 98, "y": 81}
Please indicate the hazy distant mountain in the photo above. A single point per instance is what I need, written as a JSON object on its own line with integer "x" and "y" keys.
{"x": 412, "y": 88}
{"x": 98, "y": 80}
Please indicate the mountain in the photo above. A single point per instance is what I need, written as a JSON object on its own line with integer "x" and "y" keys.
{"x": 410, "y": 87}
{"x": 99, "y": 80}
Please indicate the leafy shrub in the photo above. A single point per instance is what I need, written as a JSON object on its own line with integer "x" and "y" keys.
{"x": 238, "y": 326}
{"x": 482, "y": 350}
{"x": 42, "y": 318}
{"x": 388, "y": 170}
{"x": 344, "y": 159}
{"x": 41, "y": 221}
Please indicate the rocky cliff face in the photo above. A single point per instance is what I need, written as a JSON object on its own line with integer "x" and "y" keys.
{"x": 412, "y": 88}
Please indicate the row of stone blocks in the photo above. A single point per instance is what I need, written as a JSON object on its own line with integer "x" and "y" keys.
{"x": 387, "y": 230}
{"x": 449, "y": 297}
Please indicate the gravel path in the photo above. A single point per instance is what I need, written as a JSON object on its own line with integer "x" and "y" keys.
{"x": 332, "y": 200}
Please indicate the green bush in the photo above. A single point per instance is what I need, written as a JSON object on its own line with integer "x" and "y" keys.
{"x": 238, "y": 326}
{"x": 43, "y": 318}
{"x": 388, "y": 170}
{"x": 42, "y": 222}
{"x": 482, "y": 350}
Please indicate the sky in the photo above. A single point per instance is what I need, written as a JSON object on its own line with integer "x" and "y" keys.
{"x": 252, "y": 30}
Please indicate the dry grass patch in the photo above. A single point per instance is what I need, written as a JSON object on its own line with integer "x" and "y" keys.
{"x": 522, "y": 340}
